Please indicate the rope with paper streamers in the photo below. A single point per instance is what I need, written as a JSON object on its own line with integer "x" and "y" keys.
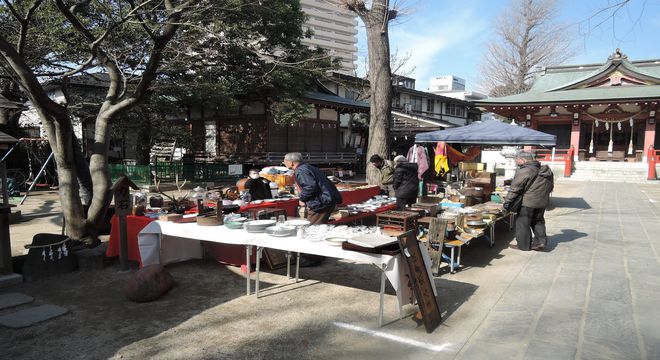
{"x": 610, "y": 145}
{"x": 62, "y": 247}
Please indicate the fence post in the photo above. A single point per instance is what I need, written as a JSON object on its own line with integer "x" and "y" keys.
{"x": 569, "y": 162}
{"x": 651, "y": 160}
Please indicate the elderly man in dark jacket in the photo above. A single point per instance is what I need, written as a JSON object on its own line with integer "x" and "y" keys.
{"x": 405, "y": 182}
{"x": 317, "y": 192}
{"x": 532, "y": 184}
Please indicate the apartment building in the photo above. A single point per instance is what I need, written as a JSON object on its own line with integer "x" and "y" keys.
{"x": 335, "y": 29}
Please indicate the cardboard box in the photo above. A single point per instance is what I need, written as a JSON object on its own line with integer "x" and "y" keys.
{"x": 170, "y": 217}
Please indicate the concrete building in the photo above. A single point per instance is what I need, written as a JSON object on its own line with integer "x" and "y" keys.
{"x": 446, "y": 83}
{"x": 334, "y": 29}
{"x": 453, "y": 87}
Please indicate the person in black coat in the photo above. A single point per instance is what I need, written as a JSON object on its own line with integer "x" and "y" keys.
{"x": 258, "y": 187}
{"x": 405, "y": 182}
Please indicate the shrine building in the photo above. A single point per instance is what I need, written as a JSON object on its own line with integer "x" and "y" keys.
{"x": 606, "y": 112}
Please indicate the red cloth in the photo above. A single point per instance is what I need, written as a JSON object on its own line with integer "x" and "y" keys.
{"x": 134, "y": 224}
{"x": 359, "y": 195}
{"x": 289, "y": 206}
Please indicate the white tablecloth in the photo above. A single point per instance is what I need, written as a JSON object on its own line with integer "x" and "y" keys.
{"x": 163, "y": 242}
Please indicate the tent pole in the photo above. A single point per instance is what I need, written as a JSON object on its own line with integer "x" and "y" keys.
{"x": 552, "y": 159}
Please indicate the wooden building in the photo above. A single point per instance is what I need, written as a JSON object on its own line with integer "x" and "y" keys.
{"x": 251, "y": 134}
{"x": 604, "y": 111}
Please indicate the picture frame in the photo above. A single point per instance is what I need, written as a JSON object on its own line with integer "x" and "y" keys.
{"x": 275, "y": 259}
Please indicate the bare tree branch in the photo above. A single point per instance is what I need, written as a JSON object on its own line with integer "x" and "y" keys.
{"x": 527, "y": 38}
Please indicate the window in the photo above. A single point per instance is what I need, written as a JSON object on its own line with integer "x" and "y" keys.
{"x": 429, "y": 105}
{"x": 455, "y": 110}
{"x": 416, "y": 103}
{"x": 396, "y": 100}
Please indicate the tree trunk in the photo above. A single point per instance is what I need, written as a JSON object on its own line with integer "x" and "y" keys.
{"x": 380, "y": 78}
{"x": 98, "y": 167}
{"x": 60, "y": 137}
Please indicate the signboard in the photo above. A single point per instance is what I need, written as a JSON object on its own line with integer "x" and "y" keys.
{"x": 421, "y": 281}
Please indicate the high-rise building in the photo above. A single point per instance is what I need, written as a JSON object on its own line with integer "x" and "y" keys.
{"x": 335, "y": 29}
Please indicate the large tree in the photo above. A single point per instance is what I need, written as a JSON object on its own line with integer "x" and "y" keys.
{"x": 376, "y": 16}
{"x": 527, "y": 36}
{"x": 130, "y": 42}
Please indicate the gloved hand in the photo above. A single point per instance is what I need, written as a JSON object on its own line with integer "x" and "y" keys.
{"x": 506, "y": 206}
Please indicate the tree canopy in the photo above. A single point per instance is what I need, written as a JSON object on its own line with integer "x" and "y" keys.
{"x": 179, "y": 50}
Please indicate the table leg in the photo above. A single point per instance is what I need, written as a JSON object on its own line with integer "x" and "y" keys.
{"x": 256, "y": 285}
{"x": 288, "y": 265}
{"x": 248, "y": 251}
{"x": 458, "y": 261}
{"x": 297, "y": 265}
{"x": 451, "y": 262}
{"x": 492, "y": 234}
{"x": 382, "y": 295}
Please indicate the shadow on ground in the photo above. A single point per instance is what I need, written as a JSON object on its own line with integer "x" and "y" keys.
{"x": 101, "y": 320}
{"x": 568, "y": 203}
{"x": 566, "y": 235}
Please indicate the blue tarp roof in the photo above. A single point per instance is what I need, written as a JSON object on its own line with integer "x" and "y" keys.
{"x": 490, "y": 132}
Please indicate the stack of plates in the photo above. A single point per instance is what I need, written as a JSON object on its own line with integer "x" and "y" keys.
{"x": 258, "y": 226}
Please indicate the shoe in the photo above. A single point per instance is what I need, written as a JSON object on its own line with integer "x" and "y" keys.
{"x": 538, "y": 247}
{"x": 514, "y": 246}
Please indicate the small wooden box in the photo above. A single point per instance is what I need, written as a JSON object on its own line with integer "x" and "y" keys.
{"x": 265, "y": 213}
{"x": 431, "y": 209}
{"x": 170, "y": 217}
{"x": 398, "y": 220}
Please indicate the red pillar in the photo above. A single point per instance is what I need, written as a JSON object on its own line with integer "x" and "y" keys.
{"x": 575, "y": 140}
{"x": 649, "y": 137}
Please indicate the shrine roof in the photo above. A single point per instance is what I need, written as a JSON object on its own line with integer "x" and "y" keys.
{"x": 584, "y": 83}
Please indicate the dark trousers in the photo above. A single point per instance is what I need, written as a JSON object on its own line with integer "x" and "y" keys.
{"x": 528, "y": 220}
{"x": 402, "y": 202}
{"x": 320, "y": 217}
{"x": 317, "y": 218}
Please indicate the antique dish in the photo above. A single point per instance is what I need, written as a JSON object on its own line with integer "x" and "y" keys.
{"x": 258, "y": 226}
{"x": 335, "y": 240}
{"x": 281, "y": 230}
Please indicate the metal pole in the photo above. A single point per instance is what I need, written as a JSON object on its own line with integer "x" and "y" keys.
{"x": 382, "y": 295}
{"x": 9, "y": 152}
{"x": 34, "y": 182}
{"x": 248, "y": 251}
{"x": 552, "y": 158}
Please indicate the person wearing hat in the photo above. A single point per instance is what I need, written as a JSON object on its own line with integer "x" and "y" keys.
{"x": 405, "y": 182}
{"x": 386, "y": 171}
{"x": 529, "y": 196}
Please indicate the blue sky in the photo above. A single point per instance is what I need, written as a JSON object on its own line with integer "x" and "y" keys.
{"x": 448, "y": 37}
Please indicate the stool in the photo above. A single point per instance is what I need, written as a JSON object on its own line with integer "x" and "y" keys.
{"x": 452, "y": 245}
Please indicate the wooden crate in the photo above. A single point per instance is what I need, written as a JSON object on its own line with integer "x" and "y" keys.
{"x": 397, "y": 220}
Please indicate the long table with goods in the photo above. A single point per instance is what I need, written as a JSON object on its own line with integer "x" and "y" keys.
{"x": 135, "y": 224}
{"x": 166, "y": 242}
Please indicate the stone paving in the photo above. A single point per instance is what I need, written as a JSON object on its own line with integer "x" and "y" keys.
{"x": 594, "y": 293}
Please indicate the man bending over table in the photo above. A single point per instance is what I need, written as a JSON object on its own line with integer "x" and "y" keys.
{"x": 317, "y": 192}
